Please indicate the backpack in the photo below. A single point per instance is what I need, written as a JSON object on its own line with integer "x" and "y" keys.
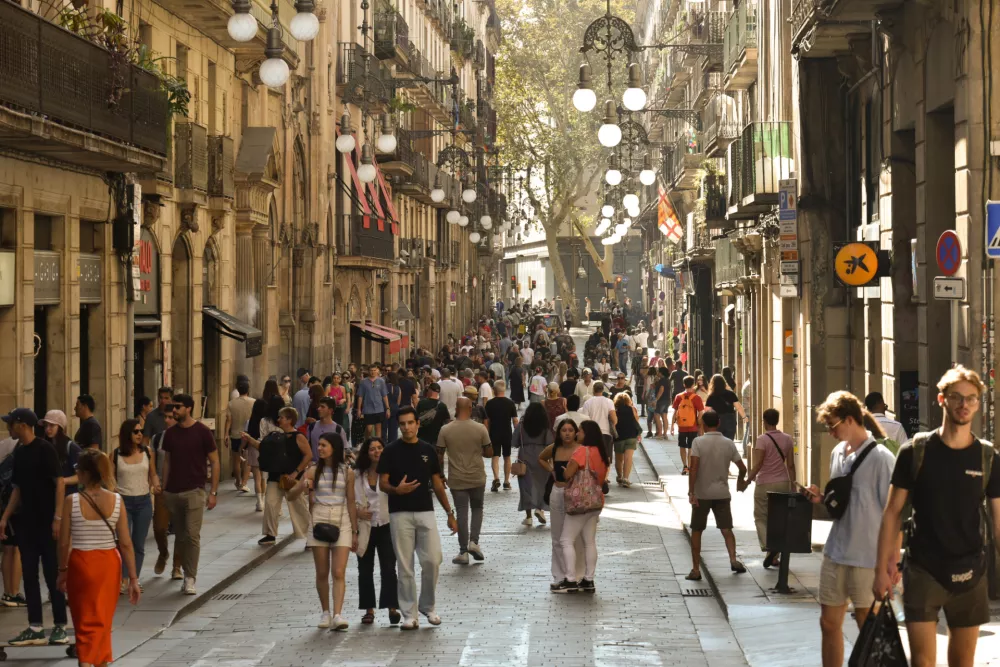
{"x": 274, "y": 454}
{"x": 687, "y": 416}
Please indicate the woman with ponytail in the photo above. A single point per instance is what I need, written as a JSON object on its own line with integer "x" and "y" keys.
{"x": 93, "y": 541}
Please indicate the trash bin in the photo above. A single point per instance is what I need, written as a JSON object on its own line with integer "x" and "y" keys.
{"x": 789, "y": 523}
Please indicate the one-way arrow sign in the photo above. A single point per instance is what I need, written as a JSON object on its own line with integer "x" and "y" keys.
{"x": 949, "y": 289}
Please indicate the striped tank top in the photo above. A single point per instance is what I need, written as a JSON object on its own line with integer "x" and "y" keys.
{"x": 325, "y": 492}
{"x": 93, "y": 534}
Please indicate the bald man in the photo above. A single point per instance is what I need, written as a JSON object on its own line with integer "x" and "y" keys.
{"x": 466, "y": 443}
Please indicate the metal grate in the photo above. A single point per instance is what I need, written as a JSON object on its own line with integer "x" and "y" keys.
{"x": 697, "y": 592}
{"x": 228, "y": 596}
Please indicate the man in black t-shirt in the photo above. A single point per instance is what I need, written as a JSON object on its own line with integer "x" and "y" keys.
{"x": 501, "y": 418}
{"x": 89, "y": 434}
{"x": 945, "y": 474}
{"x": 36, "y": 500}
{"x": 408, "y": 472}
{"x": 432, "y": 414}
{"x": 677, "y": 380}
{"x": 407, "y": 391}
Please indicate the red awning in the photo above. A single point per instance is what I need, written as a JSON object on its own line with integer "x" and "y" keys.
{"x": 402, "y": 337}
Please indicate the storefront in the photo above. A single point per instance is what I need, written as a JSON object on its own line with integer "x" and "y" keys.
{"x": 148, "y": 342}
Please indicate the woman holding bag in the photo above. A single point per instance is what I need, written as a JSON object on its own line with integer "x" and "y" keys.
{"x": 532, "y": 436}
{"x": 555, "y": 458}
{"x": 334, "y": 523}
{"x": 374, "y": 536}
{"x": 586, "y": 474}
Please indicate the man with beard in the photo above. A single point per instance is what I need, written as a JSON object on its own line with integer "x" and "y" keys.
{"x": 946, "y": 475}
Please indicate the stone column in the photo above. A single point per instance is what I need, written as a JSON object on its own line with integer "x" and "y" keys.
{"x": 246, "y": 304}
{"x": 260, "y": 259}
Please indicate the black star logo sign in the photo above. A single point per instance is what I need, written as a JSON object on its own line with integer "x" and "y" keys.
{"x": 855, "y": 263}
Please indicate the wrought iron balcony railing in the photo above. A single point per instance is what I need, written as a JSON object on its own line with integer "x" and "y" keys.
{"x": 391, "y": 33}
{"x": 729, "y": 266}
{"x": 740, "y": 37}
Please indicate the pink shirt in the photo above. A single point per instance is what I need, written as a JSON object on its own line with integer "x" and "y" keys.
{"x": 773, "y": 468}
{"x": 596, "y": 463}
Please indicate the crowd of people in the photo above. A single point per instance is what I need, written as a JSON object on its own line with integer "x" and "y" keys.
{"x": 360, "y": 456}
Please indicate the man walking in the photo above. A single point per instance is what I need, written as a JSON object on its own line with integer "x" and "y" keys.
{"x": 372, "y": 403}
{"x": 408, "y": 472}
{"x": 89, "y": 434}
{"x": 895, "y": 434}
{"x": 451, "y": 389}
{"x": 465, "y": 441}
{"x": 708, "y": 491}
{"x": 432, "y": 414}
{"x": 848, "y": 570}
{"x": 301, "y": 399}
{"x": 945, "y": 475}
{"x": 501, "y": 418}
{"x": 188, "y": 445}
{"x": 237, "y": 416}
{"x": 325, "y": 410}
{"x": 601, "y": 409}
{"x": 161, "y": 514}
{"x": 156, "y": 420}
{"x": 688, "y": 411}
{"x": 585, "y": 387}
{"x": 33, "y": 516}
{"x": 485, "y": 391}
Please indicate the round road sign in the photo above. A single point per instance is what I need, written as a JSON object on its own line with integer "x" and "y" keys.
{"x": 856, "y": 264}
{"x": 948, "y": 253}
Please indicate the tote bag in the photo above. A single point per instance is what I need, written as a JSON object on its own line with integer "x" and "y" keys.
{"x": 583, "y": 493}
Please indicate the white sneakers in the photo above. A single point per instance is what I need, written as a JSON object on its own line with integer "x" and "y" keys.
{"x": 335, "y": 622}
{"x": 260, "y": 503}
{"x": 339, "y": 623}
{"x": 432, "y": 618}
{"x": 188, "y": 587}
{"x": 527, "y": 521}
{"x": 324, "y": 620}
{"x": 461, "y": 559}
{"x": 412, "y": 624}
{"x": 540, "y": 515}
{"x": 476, "y": 552}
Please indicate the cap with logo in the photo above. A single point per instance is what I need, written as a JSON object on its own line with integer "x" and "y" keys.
{"x": 21, "y": 415}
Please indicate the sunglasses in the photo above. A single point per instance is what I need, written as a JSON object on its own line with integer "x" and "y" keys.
{"x": 137, "y": 431}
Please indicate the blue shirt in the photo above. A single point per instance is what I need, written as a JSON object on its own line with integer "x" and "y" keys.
{"x": 853, "y": 538}
{"x": 301, "y": 403}
{"x": 317, "y": 429}
{"x": 371, "y": 394}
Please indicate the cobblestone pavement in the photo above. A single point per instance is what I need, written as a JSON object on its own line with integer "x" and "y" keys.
{"x": 495, "y": 614}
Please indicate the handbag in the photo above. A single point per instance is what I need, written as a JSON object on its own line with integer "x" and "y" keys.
{"x": 583, "y": 493}
{"x": 288, "y": 482}
{"x": 837, "y": 493}
{"x": 519, "y": 468}
{"x": 364, "y": 525}
{"x": 879, "y": 644}
{"x": 328, "y": 532}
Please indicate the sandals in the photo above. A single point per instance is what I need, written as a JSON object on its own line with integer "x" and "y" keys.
{"x": 368, "y": 618}
{"x": 394, "y": 616}
{"x": 737, "y": 567}
{"x": 685, "y": 471}
{"x": 769, "y": 560}
{"x": 693, "y": 576}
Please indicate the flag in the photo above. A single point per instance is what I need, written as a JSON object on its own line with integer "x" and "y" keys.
{"x": 667, "y": 218}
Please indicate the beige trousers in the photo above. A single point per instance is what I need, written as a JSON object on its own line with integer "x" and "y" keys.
{"x": 298, "y": 509}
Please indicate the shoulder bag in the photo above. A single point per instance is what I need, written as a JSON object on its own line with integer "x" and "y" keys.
{"x": 837, "y": 493}
{"x": 327, "y": 532}
{"x": 583, "y": 493}
{"x": 114, "y": 533}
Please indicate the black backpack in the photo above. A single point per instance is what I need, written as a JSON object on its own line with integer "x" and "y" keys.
{"x": 274, "y": 453}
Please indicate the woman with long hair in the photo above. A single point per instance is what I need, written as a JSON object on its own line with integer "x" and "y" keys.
{"x": 285, "y": 389}
{"x": 135, "y": 479}
{"x": 339, "y": 395}
{"x": 726, "y": 403}
{"x": 729, "y": 377}
{"x": 554, "y": 403}
{"x": 393, "y": 393}
{"x": 532, "y": 435}
{"x": 331, "y": 502}
{"x": 591, "y": 453}
{"x": 373, "y": 518}
{"x": 517, "y": 381}
{"x": 700, "y": 386}
{"x": 554, "y": 459}
{"x": 89, "y": 559}
{"x": 316, "y": 392}
{"x": 629, "y": 434}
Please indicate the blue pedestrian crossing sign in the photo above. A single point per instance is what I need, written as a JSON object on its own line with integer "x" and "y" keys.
{"x": 993, "y": 229}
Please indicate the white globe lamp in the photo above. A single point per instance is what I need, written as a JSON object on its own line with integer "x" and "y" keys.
{"x": 486, "y": 222}
{"x": 304, "y": 26}
{"x": 463, "y": 221}
{"x": 474, "y": 237}
{"x": 634, "y": 97}
{"x": 584, "y": 99}
{"x": 242, "y": 26}
{"x": 630, "y": 201}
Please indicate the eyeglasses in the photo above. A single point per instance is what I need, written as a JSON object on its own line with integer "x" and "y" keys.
{"x": 832, "y": 428}
{"x": 957, "y": 399}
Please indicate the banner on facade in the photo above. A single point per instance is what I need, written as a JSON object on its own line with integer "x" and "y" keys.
{"x": 666, "y": 218}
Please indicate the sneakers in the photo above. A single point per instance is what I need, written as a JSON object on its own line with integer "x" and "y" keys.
{"x": 540, "y": 515}
{"x": 476, "y": 552}
{"x": 244, "y": 489}
{"x": 564, "y": 586}
{"x": 123, "y": 589}
{"x": 461, "y": 559}
{"x": 58, "y": 635}
{"x": 432, "y": 618}
{"x": 587, "y": 586}
{"x": 267, "y": 540}
{"x": 339, "y": 623}
{"x": 527, "y": 521}
{"x": 394, "y": 617}
{"x": 496, "y": 486}
{"x": 506, "y": 486}
{"x": 324, "y": 620}
{"x": 161, "y": 564}
{"x": 260, "y": 503}
{"x": 188, "y": 587}
{"x": 177, "y": 574}
{"x": 13, "y": 600}
{"x": 29, "y": 637}
{"x": 412, "y": 624}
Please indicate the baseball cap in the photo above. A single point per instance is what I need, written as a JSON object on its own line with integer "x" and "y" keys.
{"x": 434, "y": 386}
{"x": 57, "y": 417}
{"x": 22, "y": 415}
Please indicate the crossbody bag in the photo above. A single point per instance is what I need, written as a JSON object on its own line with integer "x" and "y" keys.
{"x": 837, "y": 493}
{"x": 114, "y": 533}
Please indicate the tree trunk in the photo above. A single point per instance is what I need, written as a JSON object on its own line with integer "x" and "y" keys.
{"x": 605, "y": 264}
{"x": 559, "y": 273}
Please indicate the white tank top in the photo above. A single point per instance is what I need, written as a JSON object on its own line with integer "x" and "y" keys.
{"x": 93, "y": 534}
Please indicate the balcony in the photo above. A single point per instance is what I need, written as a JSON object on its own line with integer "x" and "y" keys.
{"x": 685, "y": 161}
{"x": 391, "y": 34}
{"x": 370, "y": 242}
{"x": 708, "y": 29}
{"x": 220, "y": 167}
{"x": 729, "y": 268}
{"x": 191, "y": 158}
{"x": 721, "y": 125}
{"x": 463, "y": 40}
{"x": 703, "y": 87}
{"x": 714, "y": 194}
{"x": 467, "y": 116}
{"x": 401, "y": 160}
{"x": 416, "y": 181}
{"x": 54, "y": 92}
{"x": 352, "y": 65}
{"x": 698, "y": 244}
{"x": 757, "y": 162}
{"x": 825, "y": 28}
{"x": 740, "y": 47}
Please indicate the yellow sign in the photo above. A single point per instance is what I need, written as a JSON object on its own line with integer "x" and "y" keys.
{"x": 855, "y": 264}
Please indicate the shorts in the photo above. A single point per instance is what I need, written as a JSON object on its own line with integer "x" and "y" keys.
{"x": 686, "y": 438}
{"x": 338, "y": 516}
{"x": 924, "y": 597}
{"x": 501, "y": 449}
{"x": 253, "y": 457}
{"x": 621, "y": 446}
{"x": 720, "y": 509}
{"x": 236, "y": 444}
{"x": 374, "y": 418}
{"x": 11, "y": 539}
{"x": 609, "y": 444}
{"x": 839, "y": 583}
{"x": 662, "y": 407}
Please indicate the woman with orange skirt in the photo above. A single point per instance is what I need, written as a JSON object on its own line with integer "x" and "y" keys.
{"x": 92, "y": 545}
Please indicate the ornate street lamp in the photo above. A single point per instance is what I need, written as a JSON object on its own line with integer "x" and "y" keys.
{"x": 584, "y": 99}
{"x": 304, "y": 26}
{"x": 634, "y": 97}
{"x": 437, "y": 193}
{"x": 345, "y": 142}
{"x": 274, "y": 70}
{"x": 610, "y": 135}
{"x": 386, "y": 142}
{"x": 647, "y": 176}
{"x": 242, "y": 26}
{"x": 613, "y": 175}
{"x": 366, "y": 172}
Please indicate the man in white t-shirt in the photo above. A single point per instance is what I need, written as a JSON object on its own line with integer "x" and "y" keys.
{"x": 584, "y": 388}
{"x": 895, "y": 434}
{"x": 527, "y": 355}
{"x": 485, "y": 390}
{"x": 451, "y": 389}
{"x": 601, "y": 409}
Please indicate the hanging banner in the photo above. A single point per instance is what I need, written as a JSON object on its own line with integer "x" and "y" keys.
{"x": 666, "y": 218}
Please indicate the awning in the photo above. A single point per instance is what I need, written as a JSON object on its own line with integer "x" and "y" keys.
{"x": 404, "y": 338}
{"x": 146, "y": 328}
{"x": 227, "y": 325}
{"x": 396, "y": 340}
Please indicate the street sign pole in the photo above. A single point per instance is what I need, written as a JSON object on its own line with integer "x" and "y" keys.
{"x": 948, "y": 254}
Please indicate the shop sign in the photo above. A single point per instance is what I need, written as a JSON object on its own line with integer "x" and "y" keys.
{"x": 147, "y": 262}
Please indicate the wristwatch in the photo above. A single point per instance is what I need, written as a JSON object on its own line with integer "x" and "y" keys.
{"x": 214, "y": 493}
{"x": 451, "y": 512}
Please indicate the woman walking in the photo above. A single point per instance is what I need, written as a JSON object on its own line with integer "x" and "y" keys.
{"x": 726, "y": 403}
{"x": 539, "y": 385}
{"x": 89, "y": 559}
{"x": 773, "y": 468}
{"x": 373, "y": 520}
{"x": 555, "y": 404}
{"x": 394, "y": 392}
{"x": 263, "y": 420}
{"x": 700, "y": 388}
{"x": 285, "y": 389}
{"x": 339, "y": 395}
{"x": 554, "y": 459}
{"x": 517, "y": 381}
{"x": 334, "y": 524}
{"x": 135, "y": 478}
{"x": 532, "y": 436}
{"x": 629, "y": 434}
{"x": 594, "y": 456}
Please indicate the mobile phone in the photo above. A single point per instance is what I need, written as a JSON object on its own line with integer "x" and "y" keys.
{"x": 806, "y": 490}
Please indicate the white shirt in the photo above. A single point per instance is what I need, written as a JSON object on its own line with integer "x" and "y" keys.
{"x": 451, "y": 389}
{"x": 485, "y": 393}
{"x": 538, "y": 385}
{"x": 527, "y": 355}
{"x": 602, "y": 368}
{"x": 584, "y": 391}
{"x": 893, "y": 429}
{"x": 598, "y": 408}
{"x": 641, "y": 339}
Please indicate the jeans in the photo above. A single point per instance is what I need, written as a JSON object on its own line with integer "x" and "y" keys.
{"x": 139, "y": 510}
{"x": 36, "y": 544}
{"x": 623, "y": 361}
{"x": 380, "y": 541}
{"x": 415, "y": 532}
{"x": 463, "y": 499}
{"x": 187, "y": 509}
{"x": 581, "y": 525}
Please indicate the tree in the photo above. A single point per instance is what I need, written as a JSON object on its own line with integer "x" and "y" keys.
{"x": 540, "y": 132}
